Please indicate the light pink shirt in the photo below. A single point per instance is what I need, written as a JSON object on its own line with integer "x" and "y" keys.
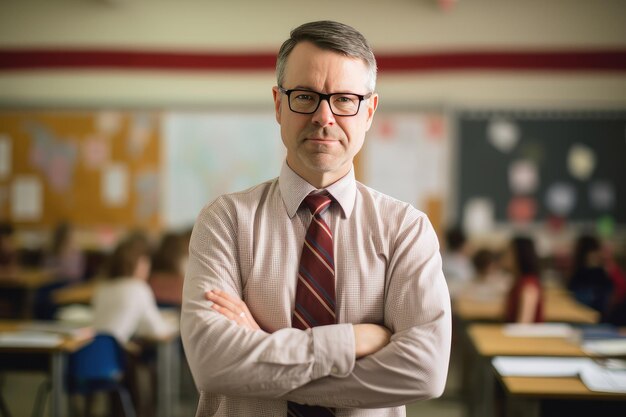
{"x": 388, "y": 271}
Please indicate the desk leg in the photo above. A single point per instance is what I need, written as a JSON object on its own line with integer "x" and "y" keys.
{"x": 522, "y": 408}
{"x": 168, "y": 364}
{"x": 487, "y": 387}
{"x": 58, "y": 395}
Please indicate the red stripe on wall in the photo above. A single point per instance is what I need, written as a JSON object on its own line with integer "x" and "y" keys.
{"x": 558, "y": 60}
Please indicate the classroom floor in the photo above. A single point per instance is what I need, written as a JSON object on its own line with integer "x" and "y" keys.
{"x": 19, "y": 391}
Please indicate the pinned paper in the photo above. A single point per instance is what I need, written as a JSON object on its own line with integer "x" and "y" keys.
{"x": 140, "y": 132}
{"x": 146, "y": 185}
{"x": 523, "y": 177}
{"x": 581, "y": 161}
{"x": 602, "y": 195}
{"x": 115, "y": 185}
{"x": 478, "y": 215}
{"x": 26, "y": 198}
{"x": 605, "y": 226}
{"x": 560, "y": 198}
{"x": 55, "y": 157}
{"x": 522, "y": 209}
{"x": 108, "y": 123}
{"x": 96, "y": 152}
{"x": 503, "y": 134}
{"x": 6, "y": 156}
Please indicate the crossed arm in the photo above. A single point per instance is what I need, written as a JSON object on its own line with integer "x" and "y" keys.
{"x": 368, "y": 338}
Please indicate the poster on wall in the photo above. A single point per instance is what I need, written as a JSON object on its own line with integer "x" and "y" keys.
{"x": 210, "y": 154}
{"x": 405, "y": 156}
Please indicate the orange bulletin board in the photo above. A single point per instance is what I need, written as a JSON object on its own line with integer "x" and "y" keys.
{"x": 95, "y": 168}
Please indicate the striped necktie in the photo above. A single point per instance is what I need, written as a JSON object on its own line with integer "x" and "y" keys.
{"x": 315, "y": 291}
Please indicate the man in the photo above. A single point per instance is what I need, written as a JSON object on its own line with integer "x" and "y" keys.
{"x": 311, "y": 294}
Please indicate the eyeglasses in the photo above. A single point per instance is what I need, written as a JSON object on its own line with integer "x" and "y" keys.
{"x": 307, "y": 101}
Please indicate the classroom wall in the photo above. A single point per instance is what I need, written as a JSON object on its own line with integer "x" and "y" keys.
{"x": 256, "y": 27}
{"x": 250, "y": 26}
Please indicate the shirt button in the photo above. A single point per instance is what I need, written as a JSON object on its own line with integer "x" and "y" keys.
{"x": 334, "y": 370}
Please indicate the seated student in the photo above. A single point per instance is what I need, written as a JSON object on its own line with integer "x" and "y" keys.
{"x": 67, "y": 262}
{"x": 168, "y": 270}
{"x": 8, "y": 253}
{"x": 456, "y": 264}
{"x": 123, "y": 304}
{"x": 490, "y": 281}
{"x": 65, "y": 257}
{"x": 589, "y": 282}
{"x": 525, "y": 299}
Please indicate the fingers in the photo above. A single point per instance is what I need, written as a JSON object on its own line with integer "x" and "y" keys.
{"x": 232, "y": 308}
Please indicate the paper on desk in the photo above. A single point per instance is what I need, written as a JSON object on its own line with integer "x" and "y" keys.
{"x": 600, "y": 379}
{"x": 29, "y": 339}
{"x": 539, "y": 330}
{"x": 538, "y": 366}
{"x": 605, "y": 347}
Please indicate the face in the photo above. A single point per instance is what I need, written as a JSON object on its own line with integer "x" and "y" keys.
{"x": 321, "y": 146}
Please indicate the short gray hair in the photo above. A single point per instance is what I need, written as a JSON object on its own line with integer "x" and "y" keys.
{"x": 330, "y": 35}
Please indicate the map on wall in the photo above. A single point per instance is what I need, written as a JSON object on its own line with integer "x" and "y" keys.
{"x": 209, "y": 154}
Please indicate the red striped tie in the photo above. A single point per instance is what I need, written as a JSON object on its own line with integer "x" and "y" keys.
{"x": 315, "y": 292}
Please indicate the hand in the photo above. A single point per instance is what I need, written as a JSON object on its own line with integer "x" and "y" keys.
{"x": 370, "y": 338}
{"x": 232, "y": 308}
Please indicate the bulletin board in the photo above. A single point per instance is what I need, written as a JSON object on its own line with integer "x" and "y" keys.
{"x": 533, "y": 166}
{"x": 96, "y": 168}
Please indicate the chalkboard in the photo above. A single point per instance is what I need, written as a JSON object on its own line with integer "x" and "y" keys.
{"x": 536, "y": 165}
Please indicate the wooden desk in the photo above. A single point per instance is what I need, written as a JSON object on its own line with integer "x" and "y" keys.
{"x": 80, "y": 293}
{"x": 489, "y": 340}
{"x": 524, "y": 394}
{"x": 28, "y": 281}
{"x": 559, "y": 306}
{"x": 57, "y": 355}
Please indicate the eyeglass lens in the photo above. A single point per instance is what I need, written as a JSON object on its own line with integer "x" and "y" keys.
{"x": 308, "y": 102}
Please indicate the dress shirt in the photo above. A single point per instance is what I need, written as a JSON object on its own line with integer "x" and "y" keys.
{"x": 388, "y": 272}
{"x": 125, "y": 307}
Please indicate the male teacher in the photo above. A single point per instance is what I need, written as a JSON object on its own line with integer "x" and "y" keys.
{"x": 312, "y": 294}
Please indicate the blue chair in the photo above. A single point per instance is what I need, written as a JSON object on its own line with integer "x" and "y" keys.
{"x": 98, "y": 367}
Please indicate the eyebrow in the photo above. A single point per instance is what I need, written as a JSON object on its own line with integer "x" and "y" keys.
{"x": 304, "y": 87}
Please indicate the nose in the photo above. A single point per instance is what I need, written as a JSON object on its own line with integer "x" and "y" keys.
{"x": 323, "y": 116}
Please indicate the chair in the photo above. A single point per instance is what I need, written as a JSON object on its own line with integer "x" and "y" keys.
{"x": 97, "y": 367}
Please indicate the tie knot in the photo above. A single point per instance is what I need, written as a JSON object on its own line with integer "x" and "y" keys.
{"x": 317, "y": 203}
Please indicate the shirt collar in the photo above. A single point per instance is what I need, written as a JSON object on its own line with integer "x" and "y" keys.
{"x": 294, "y": 189}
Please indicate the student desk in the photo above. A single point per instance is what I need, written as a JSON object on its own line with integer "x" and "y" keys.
{"x": 524, "y": 395}
{"x": 559, "y": 306}
{"x": 55, "y": 355}
{"x": 489, "y": 340}
{"x": 28, "y": 281}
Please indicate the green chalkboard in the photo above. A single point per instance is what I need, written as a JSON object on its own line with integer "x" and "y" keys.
{"x": 577, "y": 163}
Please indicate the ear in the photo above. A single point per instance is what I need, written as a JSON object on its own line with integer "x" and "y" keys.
{"x": 277, "y": 102}
{"x": 372, "y": 105}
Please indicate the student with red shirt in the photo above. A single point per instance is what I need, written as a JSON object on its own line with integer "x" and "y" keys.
{"x": 525, "y": 300}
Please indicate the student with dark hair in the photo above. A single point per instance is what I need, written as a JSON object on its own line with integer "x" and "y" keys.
{"x": 8, "y": 253}
{"x": 168, "y": 270}
{"x": 456, "y": 263}
{"x": 589, "y": 281}
{"x": 64, "y": 257}
{"x": 490, "y": 281}
{"x": 525, "y": 299}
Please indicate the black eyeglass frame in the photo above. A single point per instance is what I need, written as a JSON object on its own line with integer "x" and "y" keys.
{"x": 322, "y": 98}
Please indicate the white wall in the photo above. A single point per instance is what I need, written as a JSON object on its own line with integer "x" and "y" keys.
{"x": 400, "y": 26}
